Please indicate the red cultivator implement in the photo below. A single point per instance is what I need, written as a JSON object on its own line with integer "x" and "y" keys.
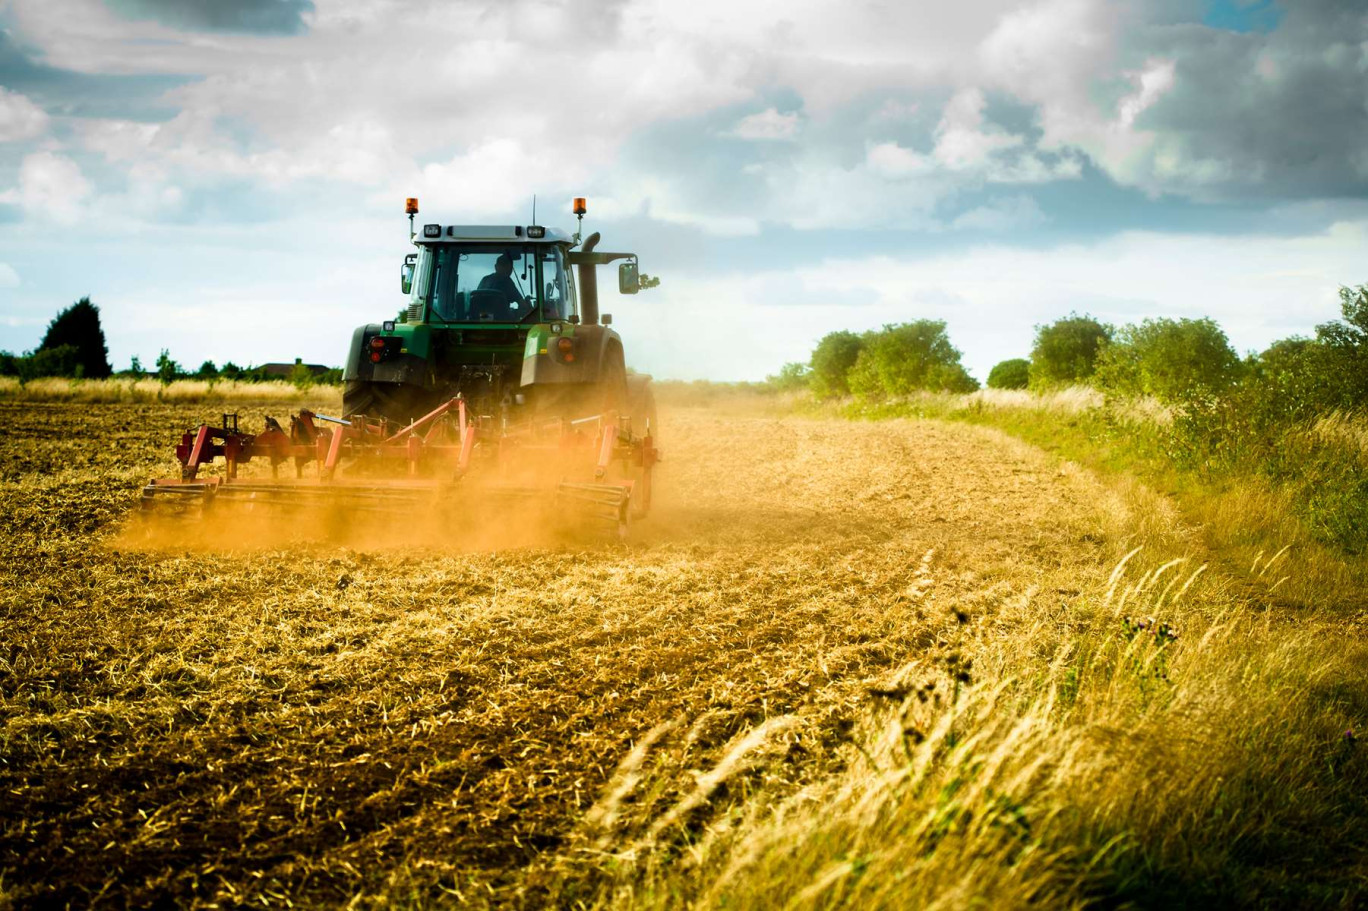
{"x": 593, "y": 470}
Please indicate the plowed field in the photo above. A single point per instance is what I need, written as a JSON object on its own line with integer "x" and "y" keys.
{"x": 318, "y": 723}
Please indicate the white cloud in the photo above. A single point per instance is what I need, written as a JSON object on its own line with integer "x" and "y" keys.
{"x": 890, "y": 160}
{"x": 1154, "y": 80}
{"x": 118, "y": 140}
{"x": 493, "y": 178}
{"x": 1051, "y": 54}
{"x": 968, "y": 150}
{"x": 20, "y": 118}
{"x": 894, "y": 110}
{"x": 8, "y": 277}
{"x": 353, "y": 100}
{"x": 1001, "y": 215}
{"x": 1059, "y": 55}
{"x": 767, "y": 126}
{"x": 51, "y": 188}
{"x": 962, "y": 141}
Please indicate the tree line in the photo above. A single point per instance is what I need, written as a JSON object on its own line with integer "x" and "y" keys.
{"x": 74, "y": 346}
{"x": 1177, "y": 361}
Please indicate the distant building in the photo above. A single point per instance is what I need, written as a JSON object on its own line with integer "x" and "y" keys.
{"x": 284, "y": 370}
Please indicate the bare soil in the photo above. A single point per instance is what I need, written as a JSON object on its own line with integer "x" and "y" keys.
{"x": 319, "y": 723}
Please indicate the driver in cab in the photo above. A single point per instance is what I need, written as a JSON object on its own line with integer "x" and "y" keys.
{"x": 501, "y": 280}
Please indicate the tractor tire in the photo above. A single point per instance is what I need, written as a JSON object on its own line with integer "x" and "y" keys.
{"x": 641, "y": 407}
{"x": 392, "y": 401}
{"x": 642, "y": 411}
{"x": 574, "y": 401}
{"x": 610, "y": 392}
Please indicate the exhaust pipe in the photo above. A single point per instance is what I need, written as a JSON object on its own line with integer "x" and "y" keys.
{"x": 588, "y": 284}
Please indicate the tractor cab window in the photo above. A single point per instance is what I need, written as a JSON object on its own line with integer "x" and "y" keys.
{"x": 493, "y": 283}
{"x": 557, "y": 300}
{"x": 483, "y": 284}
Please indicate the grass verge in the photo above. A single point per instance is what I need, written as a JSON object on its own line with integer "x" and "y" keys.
{"x": 118, "y": 390}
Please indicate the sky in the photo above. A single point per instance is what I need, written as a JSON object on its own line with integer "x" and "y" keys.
{"x": 226, "y": 178}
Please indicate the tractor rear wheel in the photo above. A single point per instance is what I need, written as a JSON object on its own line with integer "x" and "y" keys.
{"x": 610, "y": 392}
{"x": 641, "y": 409}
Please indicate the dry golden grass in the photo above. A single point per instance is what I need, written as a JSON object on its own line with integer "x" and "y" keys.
{"x": 152, "y": 391}
{"x": 1343, "y": 429}
{"x": 1069, "y": 399}
{"x": 1066, "y": 400}
{"x": 844, "y": 664}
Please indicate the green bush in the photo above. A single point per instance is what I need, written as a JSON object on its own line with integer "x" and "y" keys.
{"x": 62, "y": 360}
{"x": 1260, "y": 423}
{"x": 1298, "y": 379}
{"x": 300, "y": 377}
{"x": 1172, "y": 360}
{"x": 906, "y": 358}
{"x": 790, "y": 378}
{"x": 1066, "y": 350}
{"x": 1346, "y": 345}
{"x": 831, "y": 363}
{"x": 1010, "y": 374}
{"x": 167, "y": 369}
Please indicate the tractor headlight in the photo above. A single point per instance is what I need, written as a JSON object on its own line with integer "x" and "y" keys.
{"x": 432, "y": 230}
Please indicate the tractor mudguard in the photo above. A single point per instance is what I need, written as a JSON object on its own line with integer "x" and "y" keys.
{"x": 355, "y": 355}
{"x": 542, "y": 366}
{"x": 403, "y": 367}
{"x": 406, "y": 368}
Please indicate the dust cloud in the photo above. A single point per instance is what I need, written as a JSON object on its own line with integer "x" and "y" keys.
{"x": 518, "y": 505}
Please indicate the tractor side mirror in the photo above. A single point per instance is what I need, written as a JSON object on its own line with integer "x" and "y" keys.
{"x": 406, "y": 272}
{"x": 628, "y": 280}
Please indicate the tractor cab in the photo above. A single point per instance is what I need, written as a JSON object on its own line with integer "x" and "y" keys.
{"x": 495, "y": 315}
{"x": 511, "y": 276}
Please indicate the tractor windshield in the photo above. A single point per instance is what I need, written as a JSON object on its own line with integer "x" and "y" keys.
{"x": 492, "y": 283}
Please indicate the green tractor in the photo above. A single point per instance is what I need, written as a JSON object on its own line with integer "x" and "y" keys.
{"x": 507, "y": 318}
{"x": 499, "y": 383}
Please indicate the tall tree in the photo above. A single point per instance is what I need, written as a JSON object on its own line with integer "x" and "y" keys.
{"x": 79, "y": 327}
{"x": 1066, "y": 350}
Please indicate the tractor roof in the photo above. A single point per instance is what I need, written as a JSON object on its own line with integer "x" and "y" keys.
{"x": 458, "y": 234}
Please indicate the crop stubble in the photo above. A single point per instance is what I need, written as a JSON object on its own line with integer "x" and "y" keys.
{"x": 318, "y": 721}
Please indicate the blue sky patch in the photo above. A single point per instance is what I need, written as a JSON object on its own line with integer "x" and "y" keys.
{"x": 260, "y": 17}
{"x": 1243, "y": 15}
